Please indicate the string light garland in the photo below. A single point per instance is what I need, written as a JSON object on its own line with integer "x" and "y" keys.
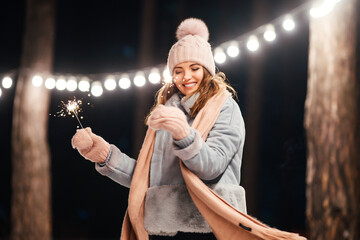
{"x": 252, "y": 41}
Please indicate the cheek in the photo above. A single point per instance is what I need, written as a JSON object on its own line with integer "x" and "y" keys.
{"x": 178, "y": 83}
{"x": 199, "y": 75}
{"x": 177, "y": 79}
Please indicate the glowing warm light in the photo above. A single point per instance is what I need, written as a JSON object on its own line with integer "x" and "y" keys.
{"x": 154, "y": 76}
{"x": 50, "y": 83}
{"x": 219, "y": 56}
{"x": 37, "y": 81}
{"x": 124, "y": 82}
{"x": 7, "y": 82}
{"x": 139, "y": 79}
{"x": 166, "y": 75}
{"x": 96, "y": 89}
{"x": 84, "y": 84}
{"x": 288, "y": 23}
{"x": 71, "y": 108}
{"x": 233, "y": 49}
{"x": 110, "y": 83}
{"x": 71, "y": 84}
{"x": 323, "y": 8}
{"x": 253, "y": 43}
{"x": 60, "y": 84}
{"x": 269, "y": 34}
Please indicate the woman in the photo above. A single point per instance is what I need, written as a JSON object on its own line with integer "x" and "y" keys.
{"x": 166, "y": 210}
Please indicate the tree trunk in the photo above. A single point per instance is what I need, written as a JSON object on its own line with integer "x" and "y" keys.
{"x": 254, "y": 94}
{"x": 331, "y": 121}
{"x": 31, "y": 208}
{"x": 144, "y": 95}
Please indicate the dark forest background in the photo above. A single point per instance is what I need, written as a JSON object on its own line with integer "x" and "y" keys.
{"x": 95, "y": 37}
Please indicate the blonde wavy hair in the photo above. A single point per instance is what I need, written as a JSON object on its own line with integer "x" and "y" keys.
{"x": 209, "y": 86}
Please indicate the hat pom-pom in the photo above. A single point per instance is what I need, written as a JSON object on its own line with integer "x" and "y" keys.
{"x": 192, "y": 26}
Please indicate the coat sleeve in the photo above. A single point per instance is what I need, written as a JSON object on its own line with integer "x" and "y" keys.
{"x": 209, "y": 159}
{"x": 118, "y": 167}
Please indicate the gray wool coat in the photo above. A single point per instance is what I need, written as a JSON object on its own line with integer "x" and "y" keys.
{"x": 217, "y": 161}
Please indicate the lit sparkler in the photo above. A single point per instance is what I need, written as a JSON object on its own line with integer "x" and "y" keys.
{"x": 72, "y": 107}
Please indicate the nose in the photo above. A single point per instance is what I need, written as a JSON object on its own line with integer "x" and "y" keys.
{"x": 187, "y": 77}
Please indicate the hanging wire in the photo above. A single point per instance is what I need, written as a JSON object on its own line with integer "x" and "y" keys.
{"x": 85, "y": 82}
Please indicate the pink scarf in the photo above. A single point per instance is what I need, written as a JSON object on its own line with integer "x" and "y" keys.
{"x": 225, "y": 221}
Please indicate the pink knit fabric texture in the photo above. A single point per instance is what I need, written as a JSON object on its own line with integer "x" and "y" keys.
{"x": 170, "y": 119}
{"x": 90, "y": 146}
{"x": 192, "y": 45}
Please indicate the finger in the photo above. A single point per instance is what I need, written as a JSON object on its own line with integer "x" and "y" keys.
{"x": 168, "y": 119}
{"x": 158, "y": 111}
{"x": 172, "y": 112}
{"x": 157, "y": 124}
{"x": 154, "y": 124}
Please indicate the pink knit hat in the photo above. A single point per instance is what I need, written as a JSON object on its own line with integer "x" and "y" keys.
{"x": 192, "y": 45}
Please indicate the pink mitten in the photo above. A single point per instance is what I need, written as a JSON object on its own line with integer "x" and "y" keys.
{"x": 170, "y": 119}
{"x": 90, "y": 145}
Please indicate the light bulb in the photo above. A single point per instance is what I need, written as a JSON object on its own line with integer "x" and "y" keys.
{"x": 269, "y": 34}
{"x": 124, "y": 81}
{"x": 84, "y": 84}
{"x": 323, "y": 8}
{"x": 61, "y": 84}
{"x": 233, "y": 49}
{"x": 96, "y": 89}
{"x": 37, "y": 81}
{"x": 219, "y": 55}
{"x": 288, "y": 23}
{"x": 71, "y": 84}
{"x": 110, "y": 83}
{"x": 50, "y": 83}
{"x": 167, "y": 76}
{"x": 154, "y": 76}
{"x": 139, "y": 79}
{"x": 253, "y": 43}
{"x": 7, "y": 82}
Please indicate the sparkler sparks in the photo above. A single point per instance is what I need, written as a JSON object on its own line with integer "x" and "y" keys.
{"x": 72, "y": 108}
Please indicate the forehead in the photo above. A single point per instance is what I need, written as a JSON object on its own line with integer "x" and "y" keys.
{"x": 187, "y": 64}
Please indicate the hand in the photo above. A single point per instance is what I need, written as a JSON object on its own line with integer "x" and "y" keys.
{"x": 90, "y": 145}
{"x": 170, "y": 119}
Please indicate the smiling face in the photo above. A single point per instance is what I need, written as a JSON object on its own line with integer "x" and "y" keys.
{"x": 187, "y": 77}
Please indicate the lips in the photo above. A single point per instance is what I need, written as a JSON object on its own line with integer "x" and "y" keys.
{"x": 188, "y": 85}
